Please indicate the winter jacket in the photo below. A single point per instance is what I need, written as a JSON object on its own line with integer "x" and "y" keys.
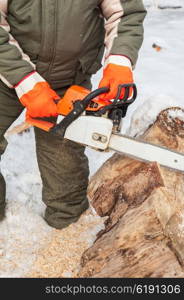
{"x": 64, "y": 39}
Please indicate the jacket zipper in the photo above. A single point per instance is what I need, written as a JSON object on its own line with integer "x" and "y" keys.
{"x": 54, "y": 39}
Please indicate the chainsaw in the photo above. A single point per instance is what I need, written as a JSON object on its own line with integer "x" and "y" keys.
{"x": 85, "y": 119}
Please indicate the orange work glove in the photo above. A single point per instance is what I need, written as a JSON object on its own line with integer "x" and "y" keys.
{"x": 117, "y": 71}
{"x": 37, "y": 96}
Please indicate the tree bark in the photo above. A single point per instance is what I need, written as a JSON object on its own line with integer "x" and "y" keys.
{"x": 144, "y": 208}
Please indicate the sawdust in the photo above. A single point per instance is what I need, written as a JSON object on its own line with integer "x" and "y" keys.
{"x": 60, "y": 258}
{"x": 20, "y": 239}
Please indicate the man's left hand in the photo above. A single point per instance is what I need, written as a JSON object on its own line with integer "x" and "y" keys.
{"x": 117, "y": 71}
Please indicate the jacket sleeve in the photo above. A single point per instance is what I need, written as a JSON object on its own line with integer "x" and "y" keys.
{"x": 14, "y": 64}
{"x": 124, "y": 27}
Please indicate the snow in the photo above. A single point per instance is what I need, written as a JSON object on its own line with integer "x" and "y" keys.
{"x": 159, "y": 77}
{"x": 163, "y": 3}
{"x": 144, "y": 117}
{"x": 177, "y": 114}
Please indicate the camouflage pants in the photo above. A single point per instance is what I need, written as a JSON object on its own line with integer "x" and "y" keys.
{"x": 63, "y": 167}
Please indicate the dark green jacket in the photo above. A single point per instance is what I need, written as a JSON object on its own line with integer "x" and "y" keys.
{"x": 64, "y": 39}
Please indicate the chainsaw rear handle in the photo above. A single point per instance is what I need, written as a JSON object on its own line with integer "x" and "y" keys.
{"x": 79, "y": 108}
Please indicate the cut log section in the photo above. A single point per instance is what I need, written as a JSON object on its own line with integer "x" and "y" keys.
{"x": 144, "y": 206}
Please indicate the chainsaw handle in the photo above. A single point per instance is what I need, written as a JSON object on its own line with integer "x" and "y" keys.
{"x": 93, "y": 95}
{"x": 122, "y": 103}
{"x": 79, "y": 108}
{"x": 126, "y": 99}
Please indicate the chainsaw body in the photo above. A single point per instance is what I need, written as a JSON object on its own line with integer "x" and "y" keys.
{"x": 94, "y": 132}
{"x": 85, "y": 119}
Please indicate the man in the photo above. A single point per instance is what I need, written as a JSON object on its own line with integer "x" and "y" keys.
{"x": 45, "y": 47}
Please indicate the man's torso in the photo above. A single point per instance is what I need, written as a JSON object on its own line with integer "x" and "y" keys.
{"x": 62, "y": 37}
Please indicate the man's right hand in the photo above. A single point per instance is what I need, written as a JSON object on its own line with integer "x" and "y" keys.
{"x": 37, "y": 96}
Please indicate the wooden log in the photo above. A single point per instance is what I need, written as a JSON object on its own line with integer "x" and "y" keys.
{"x": 144, "y": 207}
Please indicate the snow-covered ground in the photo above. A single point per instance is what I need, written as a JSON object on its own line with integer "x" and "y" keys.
{"x": 159, "y": 77}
